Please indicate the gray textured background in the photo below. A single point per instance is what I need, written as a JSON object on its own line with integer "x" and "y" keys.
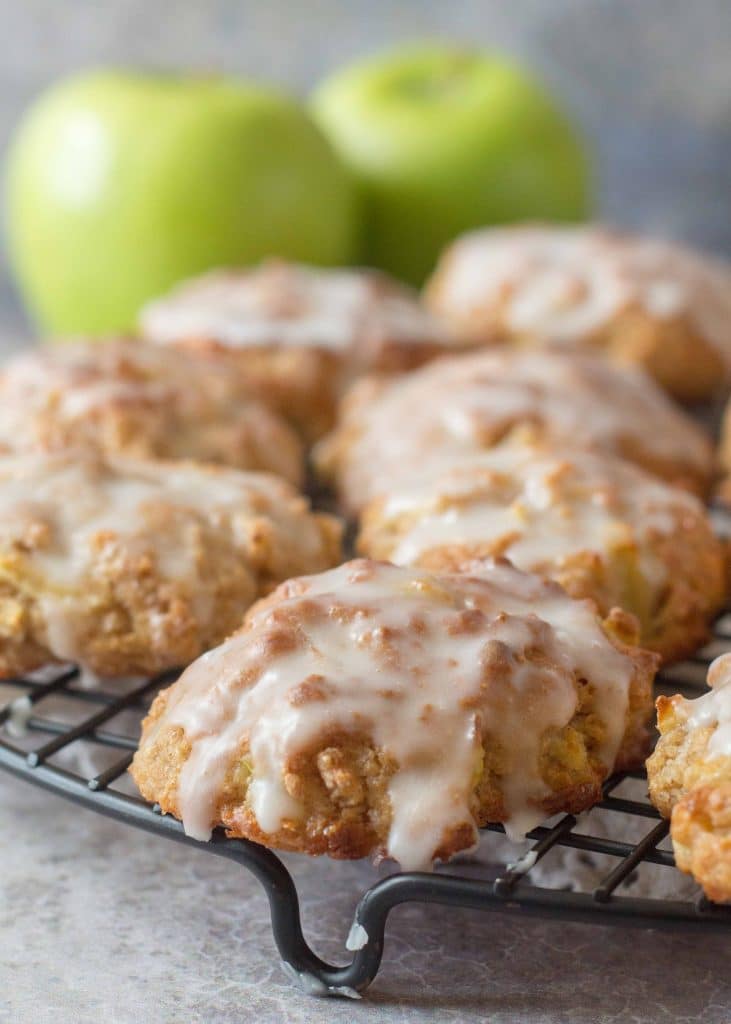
{"x": 650, "y": 80}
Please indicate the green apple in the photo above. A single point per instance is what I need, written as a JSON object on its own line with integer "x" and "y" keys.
{"x": 120, "y": 184}
{"x": 443, "y": 139}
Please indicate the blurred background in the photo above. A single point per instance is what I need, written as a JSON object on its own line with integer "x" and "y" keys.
{"x": 648, "y": 80}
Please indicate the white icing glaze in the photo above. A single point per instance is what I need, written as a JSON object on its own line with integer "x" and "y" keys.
{"x": 120, "y": 393}
{"x": 357, "y": 937}
{"x": 21, "y": 710}
{"x": 81, "y": 497}
{"x": 466, "y": 403}
{"x": 87, "y": 508}
{"x": 714, "y": 708}
{"x": 404, "y": 658}
{"x": 82, "y": 376}
{"x": 545, "y": 507}
{"x": 291, "y": 305}
{"x": 563, "y": 284}
{"x": 524, "y": 863}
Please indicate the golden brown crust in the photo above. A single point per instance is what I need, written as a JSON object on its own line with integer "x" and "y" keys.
{"x": 295, "y": 336}
{"x": 692, "y": 787}
{"x": 589, "y": 530}
{"x": 159, "y": 577}
{"x": 301, "y": 385}
{"x": 343, "y": 784}
{"x": 676, "y": 764}
{"x": 674, "y": 620}
{"x": 672, "y": 351}
{"x": 129, "y": 622}
{"x": 123, "y": 397}
{"x": 701, "y": 830}
{"x": 341, "y": 779}
{"x": 600, "y": 290}
{"x": 390, "y": 429}
{"x": 387, "y": 429}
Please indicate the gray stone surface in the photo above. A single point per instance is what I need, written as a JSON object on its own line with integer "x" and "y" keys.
{"x": 102, "y": 923}
{"x": 99, "y": 922}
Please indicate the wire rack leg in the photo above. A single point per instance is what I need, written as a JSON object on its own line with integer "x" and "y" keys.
{"x": 314, "y": 975}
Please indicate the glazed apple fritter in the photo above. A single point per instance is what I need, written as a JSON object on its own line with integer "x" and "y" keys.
{"x": 295, "y": 335}
{"x": 464, "y": 404}
{"x": 129, "y": 567}
{"x": 123, "y": 397}
{"x": 381, "y": 710}
{"x": 690, "y": 779}
{"x": 601, "y": 527}
{"x": 644, "y": 302}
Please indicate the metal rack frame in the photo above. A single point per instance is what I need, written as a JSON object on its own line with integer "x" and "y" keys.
{"x": 511, "y": 892}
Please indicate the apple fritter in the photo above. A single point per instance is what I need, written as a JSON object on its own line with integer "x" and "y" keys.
{"x": 129, "y": 567}
{"x": 655, "y": 304}
{"x": 378, "y": 710}
{"x": 468, "y": 403}
{"x": 690, "y": 779}
{"x": 601, "y": 527}
{"x": 295, "y": 335}
{"x": 124, "y": 397}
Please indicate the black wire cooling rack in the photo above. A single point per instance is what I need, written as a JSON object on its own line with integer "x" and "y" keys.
{"x": 47, "y": 719}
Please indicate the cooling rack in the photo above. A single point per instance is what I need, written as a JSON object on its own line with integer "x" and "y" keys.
{"x": 48, "y": 718}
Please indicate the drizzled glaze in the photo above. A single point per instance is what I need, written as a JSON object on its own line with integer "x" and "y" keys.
{"x": 714, "y": 708}
{"x": 429, "y": 668}
{"x": 538, "y": 508}
{"x": 61, "y": 514}
{"x": 563, "y": 284}
{"x": 468, "y": 403}
{"x": 83, "y": 376}
{"x": 81, "y": 497}
{"x": 128, "y": 397}
{"x": 290, "y": 305}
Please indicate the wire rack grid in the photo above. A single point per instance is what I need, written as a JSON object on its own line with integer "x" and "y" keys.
{"x": 35, "y": 743}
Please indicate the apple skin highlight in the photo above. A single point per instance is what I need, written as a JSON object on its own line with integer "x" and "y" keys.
{"x": 443, "y": 139}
